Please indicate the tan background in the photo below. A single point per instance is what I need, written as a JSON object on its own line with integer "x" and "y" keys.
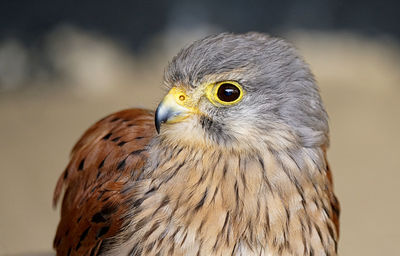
{"x": 360, "y": 83}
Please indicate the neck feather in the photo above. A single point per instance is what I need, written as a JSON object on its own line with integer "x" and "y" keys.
{"x": 229, "y": 202}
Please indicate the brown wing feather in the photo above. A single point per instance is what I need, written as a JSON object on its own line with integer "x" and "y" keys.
{"x": 104, "y": 162}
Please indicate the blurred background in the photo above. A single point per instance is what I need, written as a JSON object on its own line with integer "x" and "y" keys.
{"x": 66, "y": 64}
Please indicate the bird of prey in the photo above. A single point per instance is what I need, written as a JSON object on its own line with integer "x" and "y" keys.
{"x": 232, "y": 162}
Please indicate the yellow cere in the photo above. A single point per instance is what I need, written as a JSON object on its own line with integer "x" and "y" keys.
{"x": 181, "y": 98}
{"x": 179, "y": 95}
{"x": 212, "y": 93}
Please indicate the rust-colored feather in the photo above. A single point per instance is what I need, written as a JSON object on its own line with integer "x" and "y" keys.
{"x": 107, "y": 158}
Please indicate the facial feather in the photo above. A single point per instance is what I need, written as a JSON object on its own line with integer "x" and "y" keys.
{"x": 280, "y": 89}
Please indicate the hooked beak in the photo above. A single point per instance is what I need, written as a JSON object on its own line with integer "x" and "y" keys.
{"x": 173, "y": 108}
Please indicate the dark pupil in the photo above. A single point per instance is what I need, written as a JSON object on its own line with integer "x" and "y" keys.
{"x": 228, "y": 92}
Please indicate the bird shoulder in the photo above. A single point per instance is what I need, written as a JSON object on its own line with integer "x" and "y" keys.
{"x": 99, "y": 180}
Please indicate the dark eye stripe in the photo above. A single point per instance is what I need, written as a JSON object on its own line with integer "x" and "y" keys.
{"x": 228, "y": 92}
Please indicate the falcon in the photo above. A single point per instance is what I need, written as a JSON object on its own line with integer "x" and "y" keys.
{"x": 232, "y": 162}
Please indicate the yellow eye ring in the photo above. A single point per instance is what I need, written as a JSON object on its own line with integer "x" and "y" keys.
{"x": 225, "y": 92}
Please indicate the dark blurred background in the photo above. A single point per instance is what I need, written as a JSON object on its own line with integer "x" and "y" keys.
{"x": 66, "y": 64}
{"x": 135, "y": 22}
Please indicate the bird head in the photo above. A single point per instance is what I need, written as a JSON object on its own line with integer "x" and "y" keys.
{"x": 241, "y": 91}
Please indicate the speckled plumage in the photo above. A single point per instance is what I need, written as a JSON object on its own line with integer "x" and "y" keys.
{"x": 246, "y": 179}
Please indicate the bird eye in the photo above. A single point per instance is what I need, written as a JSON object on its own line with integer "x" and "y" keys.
{"x": 225, "y": 92}
{"x": 228, "y": 92}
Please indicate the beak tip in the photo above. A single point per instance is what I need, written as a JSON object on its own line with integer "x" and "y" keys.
{"x": 157, "y": 120}
{"x": 157, "y": 127}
